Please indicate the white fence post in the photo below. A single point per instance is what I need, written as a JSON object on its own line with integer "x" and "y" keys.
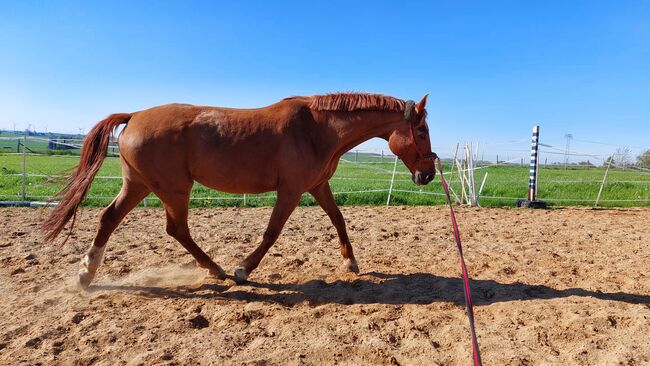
{"x": 461, "y": 176}
{"x": 480, "y": 190}
{"x": 25, "y": 167}
{"x": 604, "y": 178}
{"x": 392, "y": 181}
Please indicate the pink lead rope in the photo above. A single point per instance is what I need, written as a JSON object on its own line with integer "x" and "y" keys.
{"x": 468, "y": 295}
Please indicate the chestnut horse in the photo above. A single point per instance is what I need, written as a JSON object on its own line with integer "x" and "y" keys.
{"x": 291, "y": 147}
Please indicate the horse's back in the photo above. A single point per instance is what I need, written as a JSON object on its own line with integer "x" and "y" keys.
{"x": 223, "y": 148}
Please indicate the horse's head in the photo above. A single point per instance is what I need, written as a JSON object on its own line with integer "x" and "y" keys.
{"x": 410, "y": 142}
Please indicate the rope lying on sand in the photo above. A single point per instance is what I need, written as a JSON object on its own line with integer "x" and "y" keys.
{"x": 463, "y": 269}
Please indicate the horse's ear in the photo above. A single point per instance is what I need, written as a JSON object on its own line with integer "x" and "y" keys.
{"x": 422, "y": 104}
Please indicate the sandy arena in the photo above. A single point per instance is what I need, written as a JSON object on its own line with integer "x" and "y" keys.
{"x": 557, "y": 287}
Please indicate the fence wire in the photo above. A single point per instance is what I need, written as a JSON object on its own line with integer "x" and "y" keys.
{"x": 33, "y": 173}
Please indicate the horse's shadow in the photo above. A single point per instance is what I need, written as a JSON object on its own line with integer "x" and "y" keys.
{"x": 376, "y": 288}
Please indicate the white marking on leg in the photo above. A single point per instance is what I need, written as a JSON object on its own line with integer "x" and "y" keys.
{"x": 90, "y": 263}
{"x": 351, "y": 265}
{"x": 241, "y": 275}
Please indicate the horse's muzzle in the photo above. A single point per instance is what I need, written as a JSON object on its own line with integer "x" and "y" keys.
{"x": 421, "y": 178}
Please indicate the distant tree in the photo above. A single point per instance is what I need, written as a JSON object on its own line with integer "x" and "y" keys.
{"x": 643, "y": 160}
{"x": 586, "y": 163}
{"x": 623, "y": 157}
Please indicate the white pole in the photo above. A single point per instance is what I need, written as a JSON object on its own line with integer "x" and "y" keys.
{"x": 466, "y": 174}
{"x": 455, "y": 195}
{"x": 244, "y": 199}
{"x": 604, "y": 178}
{"x": 451, "y": 171}
{"x": 392, "y": 180}
{"x": 25, "y": 167}
{"x": 481, "y": 189}
{"x": 451, "y": 176}
{"x": 469, "y": 154}
{"x": 475, "y": 203}
{"x": 474, "y": 191}
{"x": 461, "y": 176}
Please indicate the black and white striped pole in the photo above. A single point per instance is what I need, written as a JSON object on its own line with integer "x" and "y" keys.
{"x": 532, "y": 176}
{"x": 532, "y": 182}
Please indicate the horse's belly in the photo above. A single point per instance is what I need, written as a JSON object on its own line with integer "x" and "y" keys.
{"x": 239, "y": 179}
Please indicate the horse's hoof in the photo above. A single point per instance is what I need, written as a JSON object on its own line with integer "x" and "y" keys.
{"x": 241, "y": 276}
{"x": 214, "y": 270}
{"x": 85, "y": 278}
{"x": 220, "y": 274}
{"x": 217, "y": 272}
{"x": 352, "y": 266}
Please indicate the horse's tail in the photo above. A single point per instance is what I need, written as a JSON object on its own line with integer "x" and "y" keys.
{"x": 93, "y": 153}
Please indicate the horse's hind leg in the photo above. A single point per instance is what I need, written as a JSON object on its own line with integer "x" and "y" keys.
{"x": 176, "y": 208}
{"x": 129, "y": 197}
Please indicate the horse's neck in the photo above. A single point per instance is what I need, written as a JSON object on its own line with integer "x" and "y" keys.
{"x": 353, "y": 128}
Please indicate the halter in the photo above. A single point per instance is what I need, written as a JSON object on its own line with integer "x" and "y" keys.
{"x": 409, "y": 108}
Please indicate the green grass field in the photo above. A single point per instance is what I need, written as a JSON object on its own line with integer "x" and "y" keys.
{"x": 11, "y": 142}
{"x": 574, "y": 186}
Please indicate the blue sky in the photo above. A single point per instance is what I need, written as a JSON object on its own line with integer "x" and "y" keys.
{"x": 492, "y": 69}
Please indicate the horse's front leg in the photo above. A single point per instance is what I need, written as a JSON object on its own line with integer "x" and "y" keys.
{"x": 286, "y": 203}
{"x": 325, "y": 198}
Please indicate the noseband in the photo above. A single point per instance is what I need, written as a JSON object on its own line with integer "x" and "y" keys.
{"x": 409, "y": 111}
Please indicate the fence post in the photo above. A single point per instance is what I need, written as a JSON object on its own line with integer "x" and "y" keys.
{"x": 480, "y": 190}
{"x": 356, "y": 155}
{"x": 244, "y": 199}
{"x": 382, "y": 156}
{"x": 392, "y": 180}
{"x": 25, "y": 167}
{"x": 461, "y": 176}
{"x": 471, "y": 186}
{"x": 532, "y": 181}
{"x": 603, "y": 182}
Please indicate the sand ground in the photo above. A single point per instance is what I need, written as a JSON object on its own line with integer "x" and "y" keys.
{"x": 555, "y": 287}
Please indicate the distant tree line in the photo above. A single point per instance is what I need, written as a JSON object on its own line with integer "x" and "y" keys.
{"x": 643, "y": 160}
{"x": 623, "y": 158}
